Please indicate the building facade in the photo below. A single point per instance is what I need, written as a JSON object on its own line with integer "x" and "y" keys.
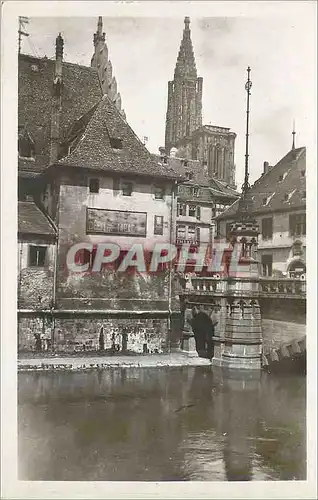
{"x": 210, "y": 144}
{"x": 200, "y": 199}
{"x": 85, "y": 178}
{"x": 278, "y": 202}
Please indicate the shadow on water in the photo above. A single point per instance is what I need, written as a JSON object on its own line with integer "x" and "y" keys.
{"x": 151, "y": 424}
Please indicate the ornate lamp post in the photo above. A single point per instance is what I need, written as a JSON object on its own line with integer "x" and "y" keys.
{"x": 243, "y": 203}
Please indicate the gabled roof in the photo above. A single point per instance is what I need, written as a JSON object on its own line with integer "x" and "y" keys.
{"x": 200, "y": 175}
{"x": 282, "y": 188}
{"x": 81, "y": 90}
{"x": 183, "y": 166}
{"x": 94, "y": 149}
{"x": 32, "y": 221}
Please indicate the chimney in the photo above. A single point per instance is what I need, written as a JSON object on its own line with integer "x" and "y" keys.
{"x": 267, "y": 167}
{"x": 58, "y": 64}
{"x": 56, "y": 100}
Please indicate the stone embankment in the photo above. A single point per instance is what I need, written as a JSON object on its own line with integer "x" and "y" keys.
{"x": 285, "y": 356}
{"x": 102, "y": 362}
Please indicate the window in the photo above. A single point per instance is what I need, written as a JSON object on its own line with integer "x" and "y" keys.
{"x": 181, "y": 209}
{"x": 116, "y": 143}
{"x": 267, "y": 228}
{"x": 267, "y": 265}
{"x": 191, "y": 233}
{"x": 192, "y": 211}
{"x": 297, "y": 224}
{"x": 127, "y": 188}
{"x": 303, "y": 173}
{"x": 159, "y": 192}
{"x": 37, "y": 255}
{"x": 158, "y": 224}
{"x": 94, "y": 185}
{"x": 181, "y": 230}
{"x": 198, "y": 215}
{"x": 303, "y": 195}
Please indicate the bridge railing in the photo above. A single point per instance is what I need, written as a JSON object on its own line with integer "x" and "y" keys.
{"x": 282, "y": 286}
{"x": 268, "y": 287}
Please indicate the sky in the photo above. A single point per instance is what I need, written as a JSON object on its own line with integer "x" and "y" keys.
{"x": 143, "y": 52}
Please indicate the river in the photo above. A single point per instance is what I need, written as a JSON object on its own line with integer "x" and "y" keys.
{"x": 161, "y": 424}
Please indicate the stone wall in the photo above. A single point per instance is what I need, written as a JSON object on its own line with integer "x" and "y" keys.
{"x": 276, "y": 333}
{"x": 83, "y": 334}
{"x": 30, "y": 327}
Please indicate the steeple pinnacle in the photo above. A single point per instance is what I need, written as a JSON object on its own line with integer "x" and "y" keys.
{"x": 293, "y": 133}
{"x": 99, "y": 36}
{"x": 185, "y": 66}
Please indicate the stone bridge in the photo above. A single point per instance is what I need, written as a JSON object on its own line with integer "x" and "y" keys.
{"x": 248, "y": 308}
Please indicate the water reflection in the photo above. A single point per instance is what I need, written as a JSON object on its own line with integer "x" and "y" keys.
{"x": 192, "y": 423}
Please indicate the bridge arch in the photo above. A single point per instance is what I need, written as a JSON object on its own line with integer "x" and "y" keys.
{"x": 203, "y": 330}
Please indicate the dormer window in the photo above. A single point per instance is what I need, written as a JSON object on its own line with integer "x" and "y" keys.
{"x": 116, "y": 143}
{"x": 282, "y": 177}
{"x": 288, "y": 196}
{"x": 268, "y": 199}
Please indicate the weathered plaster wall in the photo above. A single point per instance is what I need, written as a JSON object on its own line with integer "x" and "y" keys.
{"x": 35, "y": 284}
{"x": 107, "y": 285}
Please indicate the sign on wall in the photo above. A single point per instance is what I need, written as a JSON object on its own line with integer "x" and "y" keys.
{"x": 119, "y": 222}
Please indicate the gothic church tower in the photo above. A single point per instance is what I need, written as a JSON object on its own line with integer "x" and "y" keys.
{"x": 184, "y": 110}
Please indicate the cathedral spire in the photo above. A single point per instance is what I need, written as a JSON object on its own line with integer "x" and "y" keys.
{"x": 184, "y": 109}
{"x": 185, "y": 66}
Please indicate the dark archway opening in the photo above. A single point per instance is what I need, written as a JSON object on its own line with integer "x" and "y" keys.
{"x": 203, "y": 330}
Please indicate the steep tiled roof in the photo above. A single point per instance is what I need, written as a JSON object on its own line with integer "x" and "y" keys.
{"x": 179, "y": 165}
{"x": 81, "y": 90}
{"x": 200, "y": 176}
{"x": 94, "y": 149}
{"x": 32, "y": 221}
{"x": 282, "y": 188}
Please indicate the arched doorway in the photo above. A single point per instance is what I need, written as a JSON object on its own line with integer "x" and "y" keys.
{"x": 203, "y": 330}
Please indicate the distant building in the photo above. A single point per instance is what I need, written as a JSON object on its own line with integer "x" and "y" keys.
{"x": 184, "y": 130}
{"x": 278, "y": 202}
{"x": 200, "y": 199}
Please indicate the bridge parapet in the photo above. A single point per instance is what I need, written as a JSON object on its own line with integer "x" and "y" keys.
{"x": 291, "y": 288}
{"x": 262, "y": 287}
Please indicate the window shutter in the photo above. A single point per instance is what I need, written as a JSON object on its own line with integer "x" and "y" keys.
{"x": 198, "y": 212}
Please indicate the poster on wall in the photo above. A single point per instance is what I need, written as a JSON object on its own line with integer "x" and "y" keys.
{"x": 119, "y": 222}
